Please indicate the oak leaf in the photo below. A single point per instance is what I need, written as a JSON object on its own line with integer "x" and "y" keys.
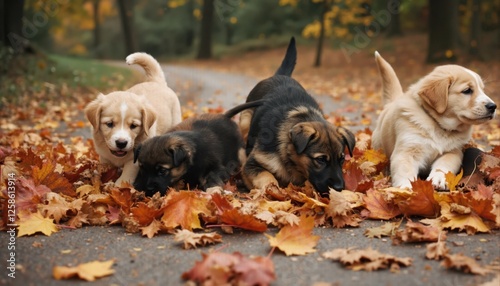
{"x": 296, "y": 239}
{"x": 89, "y": 271}
{"x": 183, "y": 209}
{"x": 31, "y": 223}
{"x": 463, "y": 263}
{"x": 191, "y": 239}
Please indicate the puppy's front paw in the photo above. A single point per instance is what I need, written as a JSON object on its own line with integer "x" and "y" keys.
{"x": 438, "y": 180}
{"x": 401, "y": 183}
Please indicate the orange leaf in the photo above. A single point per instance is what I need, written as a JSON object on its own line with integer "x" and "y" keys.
{"x": 452, "y": 180}
{"x": 378, "y": 206}
{"x": 296, "y": 239}
{"x": 422, "y": 201}
{"x": 145, "y": 214}
{"x": 236, "y": 219}
{"x": 123, "y": 198}
{"x": 183, "y": 208}
{"x": 55, "y": 181}
{"x": 86, "y": 271}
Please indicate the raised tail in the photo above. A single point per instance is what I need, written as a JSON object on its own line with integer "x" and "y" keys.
{"x": 390, "y": 82}
{"x": 149, "y": 64}
{"x": 288, "y": 63}
{"x": 239, "y": 108}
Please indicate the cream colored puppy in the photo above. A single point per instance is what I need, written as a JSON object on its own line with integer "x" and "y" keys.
{"x": 423, "y": 130}
{"x": 123, "y": 119}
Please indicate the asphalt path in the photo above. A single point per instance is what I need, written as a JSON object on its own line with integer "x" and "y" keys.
{"x": 161, "y": 260}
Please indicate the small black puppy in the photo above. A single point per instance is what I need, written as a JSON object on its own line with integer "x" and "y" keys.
{"x": 289, "y": 140}
{"x": 200, "y": 152}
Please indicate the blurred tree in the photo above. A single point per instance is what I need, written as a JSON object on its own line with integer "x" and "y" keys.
{"x": 205, "y": 47}
{"x": 475, "y": 27}
{"x": 394, "y": 26}
{"x": 125, "y": 8}
{"x": 11, "y": 25}
{"x": 97, "y": 29}
{"x": 443, "y": 30}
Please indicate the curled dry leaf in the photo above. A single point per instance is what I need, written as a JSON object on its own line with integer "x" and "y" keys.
{"x": 191, "y": 239}
{"x": 437, "y": 250}
{"x": 366, "y": 259}
{"x": 89, "y": 271}
{"x": 417, "y": 232}
{"x": 387, "y": 229}
{"x": 463, "y": 263}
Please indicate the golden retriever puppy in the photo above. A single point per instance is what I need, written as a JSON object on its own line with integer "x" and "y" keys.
{"x": 122, "y": 119}
{"x": 424, "y": 130}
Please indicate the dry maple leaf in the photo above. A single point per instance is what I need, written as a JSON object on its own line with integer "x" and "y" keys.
{"x": 89, "y": 271}
{"x": 387, "y": 229}
{"x": 153, "y": 228}
{"x": 437, "y": 250}
{"x": 366, "y": 259}
{"x": 145, "y": 214}
{"x": 29, "y": 195}
{"x": 452, "y": 180}
{"x": 31, "y": 223}
{"x": 378, "y": 207}
{"x": 56, "y": 182}
{"x": 191, "y": 239}
{"x": 463, "y": 263}
{"x": 219, "y": 268}
{"x": 183, "y": 209}
{"x": 234, "y": 218}
{"x": 296, "y": 239}
{"x": 421, "y": 202}
{"x": 453, "y": 219}
{"x": 56, "y": 207}
{"x": 417, "y": 232}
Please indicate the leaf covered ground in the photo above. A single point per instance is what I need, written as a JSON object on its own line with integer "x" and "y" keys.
{"x": 60, "y": 184}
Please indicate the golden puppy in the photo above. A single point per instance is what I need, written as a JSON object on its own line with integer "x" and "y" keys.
{"x": 424, "y": 130}
{"x": 123, "y": 119}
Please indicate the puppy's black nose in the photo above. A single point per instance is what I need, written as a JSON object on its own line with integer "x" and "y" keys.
{"x": 336, "y": 185}
{"x": 491, "y": 106}
{"x": 121, "y": 143}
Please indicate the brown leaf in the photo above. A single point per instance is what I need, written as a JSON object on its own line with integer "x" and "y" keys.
{"x": 417, "y": 232}
{"x": 378, "y": 207}
{"x": 153, "y": 228}
{"x": 89, "y": 271}
{"x": 56, "y": 182}
{"x": 296, "y": 239}
{"x": 437, "y": 250}
{"x": 145, "y": 214}
{"x": 191, "y": 239}
{"x": 387, "y": 229}
{"x": 366, "y": 259}
{"x": 245, "y": 221}
{"x": 463, "y": 263}
{"x": 421, "y": 202}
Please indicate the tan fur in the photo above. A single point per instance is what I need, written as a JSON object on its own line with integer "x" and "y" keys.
{"x": 425, "y": 128}
{"x": 152, "y": 107}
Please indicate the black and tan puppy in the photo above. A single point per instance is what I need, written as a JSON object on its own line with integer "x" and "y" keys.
{"x": 200, "y": 152}
{"x": 289, "y": 140}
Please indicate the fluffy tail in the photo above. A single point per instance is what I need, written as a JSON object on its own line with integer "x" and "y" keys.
{"x": 288, "y": 63}
{"x": 390, "y": 82}
{"x": 149, "y": 64}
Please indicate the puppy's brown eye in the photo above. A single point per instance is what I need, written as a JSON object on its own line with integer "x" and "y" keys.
{"x": 162, "y": 171}
{"x": 321, "y": 159}
{"x": 133, "y": 126}
{"x": 467, "y": 91}
{"x": 110, "y": 124}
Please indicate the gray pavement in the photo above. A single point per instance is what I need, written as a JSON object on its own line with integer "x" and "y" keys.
{"x": 161, "y": 261}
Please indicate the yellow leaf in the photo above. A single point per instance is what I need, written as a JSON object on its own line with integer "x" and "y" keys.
{"x": 296, "y": 239}
{"x": 86, "y": 271}
{"x": 35, "y": 222}
{"x": 452, "y": 180}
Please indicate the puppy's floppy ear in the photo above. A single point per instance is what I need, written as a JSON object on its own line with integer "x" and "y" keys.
{"x": 348, "y": 138}
{"x": 137, "y": 150}
{"x": 93, "y": 112}
{"x": 301, "y": 134}
{"x": 434, "y": 91}
{"x": 148, "y": 119}
{"x": 179, "y": 154}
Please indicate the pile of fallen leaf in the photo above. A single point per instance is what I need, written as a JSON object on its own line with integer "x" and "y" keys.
{"x": 62, "y": 186}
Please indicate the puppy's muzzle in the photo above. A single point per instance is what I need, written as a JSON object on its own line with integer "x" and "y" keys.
{"x": 120, "y": 144}
{"x": 491, "y": 107}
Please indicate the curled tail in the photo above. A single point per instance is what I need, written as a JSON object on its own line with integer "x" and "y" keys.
{"x": 239, "y": 108}
{"x": 390, "y": 82}
{"x": 288, "y": 63}
{"x": 149, "y": 64}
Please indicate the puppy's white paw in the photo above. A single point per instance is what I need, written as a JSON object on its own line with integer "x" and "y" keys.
{"x": 438, "y": 179}
{"x": 401, "y": 183}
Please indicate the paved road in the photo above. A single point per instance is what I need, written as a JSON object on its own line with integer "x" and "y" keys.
{"x": 161, "y": 261}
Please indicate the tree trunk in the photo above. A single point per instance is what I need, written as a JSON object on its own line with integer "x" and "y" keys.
{"x": 394, "y": 29}
{"x": 443, "y": 34}
{"x": 127, "y": 23}
{"x": 475, "y": 28}
{"x": 321, "y": 38}
{"x": 97, "y": 30}
{"x": 205, "y": 48}
{"x": 11, "y": 24}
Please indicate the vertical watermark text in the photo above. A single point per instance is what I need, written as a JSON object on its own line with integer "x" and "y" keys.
{"x": 11, "y": 225}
